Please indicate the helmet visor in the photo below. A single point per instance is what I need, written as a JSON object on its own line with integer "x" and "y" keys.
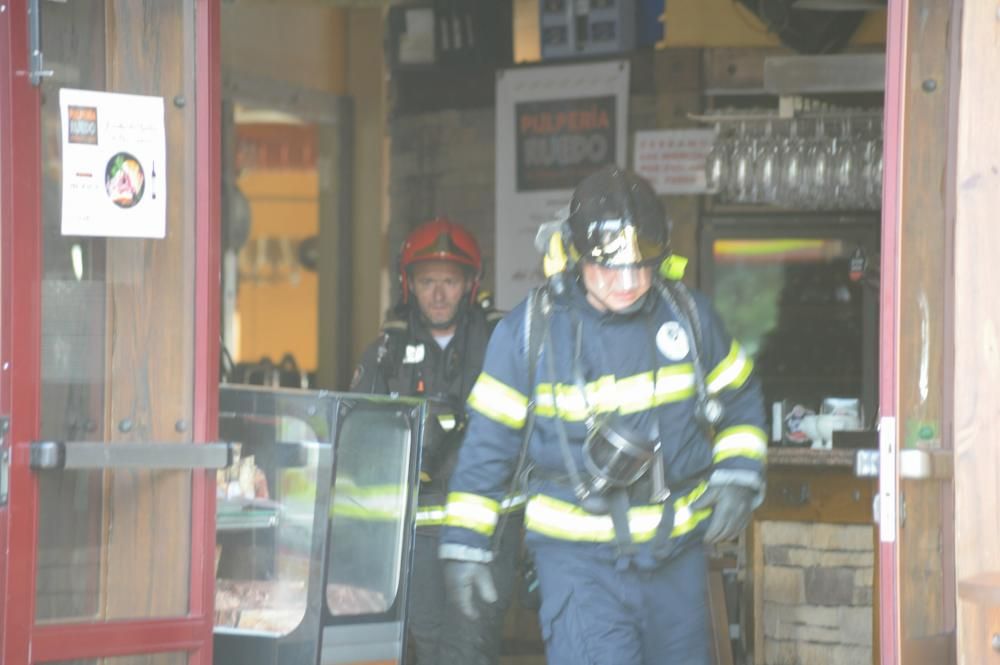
{"x": 618, "y": 244}
{"x": 624, "y": 279}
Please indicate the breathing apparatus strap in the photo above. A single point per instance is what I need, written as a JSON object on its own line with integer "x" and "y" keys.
{"x": 579, "y": 487}
{"x": 536, "y": 325}
{"x": 679, "y": 299}
{"x": 619, "y": 504}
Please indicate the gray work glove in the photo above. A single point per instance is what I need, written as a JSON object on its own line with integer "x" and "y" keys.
{"x": 731, "y": 506}
{"x": 464, "y": 581}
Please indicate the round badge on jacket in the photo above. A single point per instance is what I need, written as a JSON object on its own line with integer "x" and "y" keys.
{"x": 672, "y": 341}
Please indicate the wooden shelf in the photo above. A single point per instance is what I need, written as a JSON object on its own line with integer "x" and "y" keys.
{"x": 791, "y": 456}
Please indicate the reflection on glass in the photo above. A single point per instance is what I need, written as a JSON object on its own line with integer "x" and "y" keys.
{"x": 791, "y": 304}
{"x": 368, "y": 512}
{"x": 266, "y": 508}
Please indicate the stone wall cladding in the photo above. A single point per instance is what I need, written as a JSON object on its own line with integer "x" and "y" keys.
{"x": 817, "y": 593}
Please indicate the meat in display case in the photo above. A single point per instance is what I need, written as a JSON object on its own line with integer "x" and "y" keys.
{"x": 314, "y": 526}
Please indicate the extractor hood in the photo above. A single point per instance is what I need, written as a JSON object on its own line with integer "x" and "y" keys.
{"x": 821, "y": 74}
{"x": 812, "y": 26}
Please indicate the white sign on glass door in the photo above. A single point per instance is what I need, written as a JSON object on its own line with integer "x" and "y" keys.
{"x": 114, "y": 165}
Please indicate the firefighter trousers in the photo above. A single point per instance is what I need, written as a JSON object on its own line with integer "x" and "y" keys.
{"x": 439, "y": 633}
{"x": 596, "y": 611}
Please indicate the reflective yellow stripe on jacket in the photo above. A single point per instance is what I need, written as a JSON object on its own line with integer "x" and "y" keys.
{"x": 430, "y": 515}
{"x": 732, "y": 372}
{"x": 742, "y": 441}
{"x": 498, "y": 401}
{"x": 437, "y": 515}
{"x": 473, "y": 512}
{"x": 629, "y": 394}
{"x": 566, "y": 521}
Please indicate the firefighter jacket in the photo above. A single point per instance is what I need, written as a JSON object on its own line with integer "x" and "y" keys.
{"x": 638, "y": 364}
{"x": 406, "y": 361}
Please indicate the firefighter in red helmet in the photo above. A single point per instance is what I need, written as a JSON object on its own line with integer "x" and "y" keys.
{"x": 432, "y": 345}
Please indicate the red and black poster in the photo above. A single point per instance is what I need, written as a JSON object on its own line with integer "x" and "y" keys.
{"x": 561, "y": 141}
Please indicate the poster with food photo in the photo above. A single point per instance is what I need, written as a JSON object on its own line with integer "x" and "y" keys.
{"x": 113, "y": 165}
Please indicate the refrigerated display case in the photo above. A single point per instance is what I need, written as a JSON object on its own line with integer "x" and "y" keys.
{"x": 314, "y": 526}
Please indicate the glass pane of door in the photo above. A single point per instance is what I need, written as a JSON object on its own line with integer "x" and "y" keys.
{"x": 368, "y": 514}
{"x": 118, "y": 331}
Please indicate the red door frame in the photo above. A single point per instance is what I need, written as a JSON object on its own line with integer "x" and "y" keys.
{"x": 20, "y": 365}
{"x": 895, "y": 81}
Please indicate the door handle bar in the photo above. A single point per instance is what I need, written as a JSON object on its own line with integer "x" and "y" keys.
{"x": 60, "y": 455}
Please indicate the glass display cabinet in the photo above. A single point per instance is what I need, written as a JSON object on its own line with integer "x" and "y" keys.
{"x": 314, "y": 526}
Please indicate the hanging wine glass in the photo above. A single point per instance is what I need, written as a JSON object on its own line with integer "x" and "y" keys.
{"x": 874, "y": 182}
{"x": 767, "y": 166}
{"x": 740, "y": 184}
{"x": 844, "y": 170}
{"x": 790, "y": 183}
{"x": 817, "y": 173}
{"x": 717, "y": 163}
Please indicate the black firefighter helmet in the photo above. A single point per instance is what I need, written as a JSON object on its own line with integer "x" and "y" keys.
{"x": 617, "y": 220}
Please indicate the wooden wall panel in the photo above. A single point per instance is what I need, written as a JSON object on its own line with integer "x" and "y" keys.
{"x": 976, "y": 381}
{"x": 150, "y": 287}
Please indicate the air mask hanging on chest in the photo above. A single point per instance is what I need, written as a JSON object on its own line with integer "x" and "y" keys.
{"x": 614, "y": 457}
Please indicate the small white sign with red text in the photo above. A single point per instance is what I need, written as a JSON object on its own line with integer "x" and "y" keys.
{"x": 673, "y": 160}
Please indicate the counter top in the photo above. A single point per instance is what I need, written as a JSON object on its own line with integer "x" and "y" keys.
{"x": 788, "y": 456}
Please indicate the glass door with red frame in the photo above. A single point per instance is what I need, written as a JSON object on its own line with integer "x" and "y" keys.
{"x": 111, "y": 508}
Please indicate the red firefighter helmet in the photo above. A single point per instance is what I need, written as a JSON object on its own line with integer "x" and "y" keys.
{"x": 440, "y": 239}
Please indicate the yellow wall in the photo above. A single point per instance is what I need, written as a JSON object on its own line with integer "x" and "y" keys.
{"x": 527, "y": 44}
{"x": 277, "y": 311}
{"x": 301, "y": 45}
{"x": 717, "y": 23}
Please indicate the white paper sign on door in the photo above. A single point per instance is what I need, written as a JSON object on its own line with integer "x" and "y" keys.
{"x": 114, "y": 165}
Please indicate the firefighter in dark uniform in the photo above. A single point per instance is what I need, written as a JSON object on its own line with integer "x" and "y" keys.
{"x": 432, "y": 346}
{"x": 646, "y": 440}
